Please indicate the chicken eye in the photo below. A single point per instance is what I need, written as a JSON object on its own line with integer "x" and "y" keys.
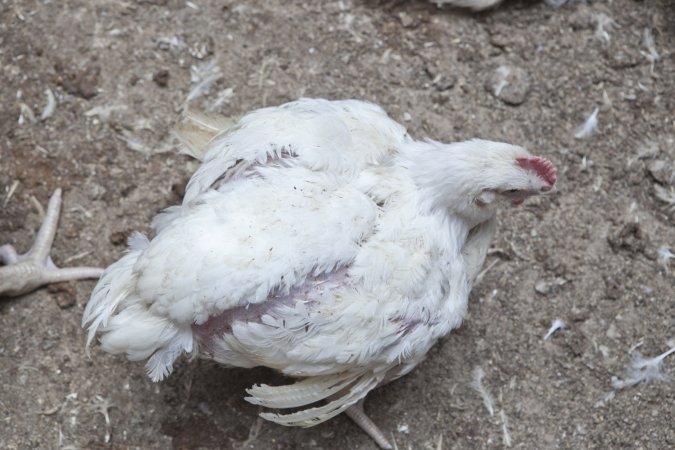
{"x": 512, "y": 191}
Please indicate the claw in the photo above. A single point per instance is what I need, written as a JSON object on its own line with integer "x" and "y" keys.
{"x": 21, "y": 274}
{"x": 358, "y": 415}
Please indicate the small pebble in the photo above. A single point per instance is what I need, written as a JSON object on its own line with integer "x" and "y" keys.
{"x": 545, "y": 287}
{"x": 63, "y": 294}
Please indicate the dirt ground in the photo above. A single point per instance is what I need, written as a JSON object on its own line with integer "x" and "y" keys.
{"x": 120, "y": 74}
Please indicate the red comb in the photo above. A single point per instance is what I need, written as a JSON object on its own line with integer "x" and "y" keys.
{"x": 541, "y": 166}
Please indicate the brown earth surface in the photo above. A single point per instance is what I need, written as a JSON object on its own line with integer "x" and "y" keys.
{"x": 120, "y": 73}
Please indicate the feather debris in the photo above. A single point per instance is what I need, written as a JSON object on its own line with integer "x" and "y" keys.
{"x": 11, "y": 191}
{"x": 588, "y": 127}
{"x": 603, "y": 25}
{"x": 642, "y": 370}
{"x": 403, "y": 428}
{"x": 26, "y": 114}
{"x": 608, "y": 397}
{"x": 103, "y": 112}
{"x": 38, "y": 207}
{"x": 501, "y": 82}
{"x": 224, "y": 96}
{"x": 134, "y": 143}
{"x": 664, "y": 256}
{"x": 50, "y": 107}
{"x": 477, "y": 385}
{"x": 651, "y": 54}
{"x": 666, "y": 196}
{"x": 556, "y": 325}
{"x": 202, "y": 78}
{"x": 506, "y": 434}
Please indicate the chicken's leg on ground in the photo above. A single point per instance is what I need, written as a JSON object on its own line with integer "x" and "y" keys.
{"x": 358, "y": 415}
{"x": 20, "y": 274}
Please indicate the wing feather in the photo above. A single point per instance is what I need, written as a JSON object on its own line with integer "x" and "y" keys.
{"x": 338, "y": 137}
{"x": 362, "y": 384}
{"x": 301, "y": 393}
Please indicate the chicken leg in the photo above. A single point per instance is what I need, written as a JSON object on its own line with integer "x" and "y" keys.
{"x": 21, "y": 274}
{"x": 358, "y": 415}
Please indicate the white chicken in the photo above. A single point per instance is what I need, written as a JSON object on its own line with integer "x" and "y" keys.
{"x": 318, "y": 239}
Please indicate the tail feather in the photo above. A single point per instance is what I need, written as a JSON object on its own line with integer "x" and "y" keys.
{"x": 160, "y": 364}
{"x": 109, "y": 292}
{"x": 125, "y": 323}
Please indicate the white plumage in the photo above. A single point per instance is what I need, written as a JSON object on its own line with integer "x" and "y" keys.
{"x": 317, "y": 238}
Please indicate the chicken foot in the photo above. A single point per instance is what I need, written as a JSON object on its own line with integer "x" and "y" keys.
{"x": 21, "y": 274}
{"x": 359, "y": 416}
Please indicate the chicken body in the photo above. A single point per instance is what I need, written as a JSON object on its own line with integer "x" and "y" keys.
{"x": 318, "y": 239}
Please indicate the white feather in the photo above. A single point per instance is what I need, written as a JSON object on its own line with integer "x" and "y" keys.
{"x": 556, "y": 325}
{"x": 588, "y": 127}
{"x": 651, "y": 54}
{"x": 664, "y": 256}
{"x": 50, "y": 107}
{"x": 667, "y": 196}
{"x": 314, "y": 416}
{"x": 603, "y": 25}
{"x": 506, "y": 434}
{"x": 643, "y": 370}
{"x": 301, "y": 393}
{"x": 478, "y": 386}
{"x": 202, "y": 77}
{"x": 501, "y": 81}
